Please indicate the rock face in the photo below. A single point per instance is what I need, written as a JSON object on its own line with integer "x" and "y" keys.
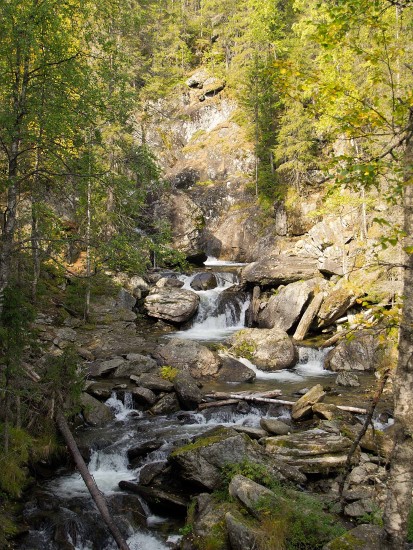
{"x": 269, "y": 349}
{"x": 186, "y": 221}
{"x": 362, "y": 353}
{"x": 280, "y": 270}
{"x": 172, "y": 304}
{"x": 284, "y": 309}
{"x": 187, "y": 355}
{"x": 201, "y": 462}
{"x": 315, "y": 451}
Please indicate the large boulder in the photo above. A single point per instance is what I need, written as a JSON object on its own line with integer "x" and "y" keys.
{"x": 204, "y": 281}
{"x": 94, "y": 412}
{"x": 280, "y": 270}
{"x": 190, "y": 356}
{"x": 172, "y": 304}
{"x": 338, "y": 300}
{"x": 315, "y": 451}
{"x": 187, "y": 391}
{"x": 284, "y": 309}
{"x": 135, "y": 365}
{"x": 201, "y": 462}
{"x": 251, "y": 495}
{"x": 268, "y": 349}
{"x": 362, "y": 537}
{"x": 234, "y": 371}
{"x": 360, "y": 353}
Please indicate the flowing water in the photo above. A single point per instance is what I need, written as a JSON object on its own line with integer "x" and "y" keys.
{"x": 63, "y": 508}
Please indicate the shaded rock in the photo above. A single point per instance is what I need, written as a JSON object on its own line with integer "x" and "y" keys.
{"x": 100, "y": 390}
{"x": 274, "y": 426}
{"x": 104, "y": 367}
{"x": 197, "y": 79}
{"x": 251, "y": 495}
{"x": 201, "y": 462}
{"x": 331, "y": 412}
{"x": 204, "y": 281}
{"x": 143, "y": 449}
{"x": 359, "y": 508}
{"x": 284, "y": 309}
{"x": 172, "y": 304}
{"x": 253, "y": 433}
{"x": 188, "y": 393}
{"x": 362, "y": 537}
{"x": 135, "y": 284}
{"x": 346, "y": 378}
{"x": 166, "y": 405}
{"x": 269, "y": 349}
{"x": 334, "y": 305}
{"x": 302, "y": 409}
{"x": 314, "y": 451}
{"x": 150, "y": 471}
{"x": 94, "y": 412}
{"x": 280, "y": 270}
{"x": 190, "y": 356}
{"x": 361, "y": 353}
{"x": 211, "y": 87}
{"x": 143, "y": 396}
{"x": 235, "y": 371}
{"x": 129, "y": 507}
{"x": 241, "y": 533}
{"x": 138, "y": 365}
{"x": 208, "y": 513}
{"x": 379, "y": 442}
{"x": 153, "y": 382}
{"x": 158, "y": 499}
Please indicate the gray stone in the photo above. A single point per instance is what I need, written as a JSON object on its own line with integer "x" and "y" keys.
{"x": 138, "y": 365}
{"x": 169, "y": 282}
{"x": 316, "y": 451}
{"x": 204, "y": 281}
{"x": 235, "y": 371}
{"x": 143, "y": 396}
{"x": 251, "y": 495}
{"x": 335, "y": 304}
{"x": 360, "y": 353}
{"x": 190, "y": 356}
{"x": 280, "y": 270}
{"x": 94, "y": 412}
{"x": 269, "y": 349}
{"x": 166, "y": 405}
{"x": 274, "y": 426}
{"x": 153, "y": 382}
{"x": 172, "y": 304}
{"x": 284, "y": 309}
{"x": 104, "y": 367}
{"x": 253, "y": 433}
{"x": 188, "y": 393}
{"x": 302, "y": 409}
{"x": 349, "y": 379}
{"x": 241, "y": 534}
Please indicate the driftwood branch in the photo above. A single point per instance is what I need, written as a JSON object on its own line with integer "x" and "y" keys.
{"x": 255, "y": 399}
{"x": 90, "y": 483}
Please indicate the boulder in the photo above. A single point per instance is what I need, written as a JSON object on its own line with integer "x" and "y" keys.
{"x": 190, "y": 356}
{"x": 251, "y": 495}
{"x": 338, "y": 300}
{"x": 316, "y": 451}
{"x": 159, "y": 500}
{"x": 302, "y": 409}
{"x": 143, "y": 396}
{"x": 94, "y": 412}
{"x": 204, "y": 281}
{"x": 187, "y": 391}
{"x": 137, "y": 365}
{"x": 235, "y": 371}
{"x": 208, "y": 514}
{"x": 150, "y": 471}
{"x": 280, "y": 270}
{"x": 285, "y": 307}
{"x": 253, "y": 433}
{"x": 362, "y": 537}
{"x": 135, "y": 284}
{"x": 143, "y": 449}
{"x": 169, "y": 282}
{"x": 100, "y": 390}
{"x": 153, "y": 382}
{"x": 167, "y": 404}
{"x": 345, "y": 378}
{"x": 274, "y": 426}
{"x": 360, "y": 353}
{"x": 201, "y": 462}
{"x": 241, "y": 534}
{"x": 104, "y": 367}
{"x": 269, "y": 349}
{"x": 172, "y": 304}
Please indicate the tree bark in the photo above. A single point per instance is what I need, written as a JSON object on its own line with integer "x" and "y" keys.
{"x": 90, "y": 483}
{"x": 400, "y": 482}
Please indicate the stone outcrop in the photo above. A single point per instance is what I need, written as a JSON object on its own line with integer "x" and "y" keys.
{"x": 280, "y": 270}
{"x": 268, "y": 349}
{"x": 360, "y": 353}
{"x": 188, "y": 355}
{"x": 172, "y": 304}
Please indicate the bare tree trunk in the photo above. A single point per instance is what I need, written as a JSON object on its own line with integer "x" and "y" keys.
{"x": 90, "y": 483}
{"x": 400, "y": 482}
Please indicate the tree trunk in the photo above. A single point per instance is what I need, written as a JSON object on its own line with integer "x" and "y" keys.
{"x": 400, "y": 482}
{"x": 90, "y": 483}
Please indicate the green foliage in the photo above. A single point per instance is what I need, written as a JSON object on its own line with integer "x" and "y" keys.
{"x": 169, "y": 373}
{"x": 13, "y": 463}
{"x": 251, "y": 470}
{"x": 100, "y": 285}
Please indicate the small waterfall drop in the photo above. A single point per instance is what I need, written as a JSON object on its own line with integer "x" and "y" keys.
{"x": 220, "y": 313}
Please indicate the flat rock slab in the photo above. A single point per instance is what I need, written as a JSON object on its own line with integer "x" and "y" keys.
{"x": 274, "y": 426}
{"x": 313, "y": 451}
{"x": 280, "y": 270}
{"x": 302, "y": 409}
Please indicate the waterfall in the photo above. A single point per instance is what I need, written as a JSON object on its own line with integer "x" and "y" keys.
{"x": 220, "y": 312}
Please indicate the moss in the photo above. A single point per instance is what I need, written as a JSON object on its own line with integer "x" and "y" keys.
{"x": 218, "y": 435}
{"x": 346, "y": 542}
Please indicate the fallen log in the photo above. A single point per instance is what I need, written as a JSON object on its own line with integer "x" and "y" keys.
{"x": 248, "y": 393}
{"x": 235, "y": 396}
{"x": 222, "y": 403}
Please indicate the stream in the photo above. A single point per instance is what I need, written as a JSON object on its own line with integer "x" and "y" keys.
{"x": 60, "y": 513}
